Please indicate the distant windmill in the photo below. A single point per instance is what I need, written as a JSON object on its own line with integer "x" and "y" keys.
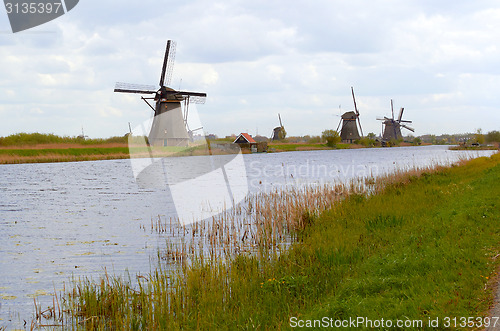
{"x": 279, "y": 132}
{"x": 82, "y": 136}
{"x": 349, "y": 131}
{"x": 169, "y": 126}
{"x": 392, "y": 127}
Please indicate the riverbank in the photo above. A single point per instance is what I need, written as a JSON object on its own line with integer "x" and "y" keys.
{"x": 492, "y": 147}
{"x": 423, "y": 247}
{"x": 72, "y": 152}
{"x": 62, "y": 153}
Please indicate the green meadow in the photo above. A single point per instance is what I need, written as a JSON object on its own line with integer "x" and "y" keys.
{"x": 424, "y": 245}
{"x": 32, "y": 139}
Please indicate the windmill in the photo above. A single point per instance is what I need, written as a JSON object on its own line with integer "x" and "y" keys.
{"x": 279, "y": 132}
{"x": 392, "y": 127}
{"x": 169, "y": 126}
{"x": 349, "y": 131}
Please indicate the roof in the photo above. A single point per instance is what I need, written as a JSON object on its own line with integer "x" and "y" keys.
{"x": 247, "y": 138}
{"x": 350, "y": 115}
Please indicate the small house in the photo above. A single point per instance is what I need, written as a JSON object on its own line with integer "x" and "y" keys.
{"x": 247, "y": 142}
{"x": 244, "y": 138}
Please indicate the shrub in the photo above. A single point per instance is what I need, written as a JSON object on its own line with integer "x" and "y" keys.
{"x": 332, "y": 137}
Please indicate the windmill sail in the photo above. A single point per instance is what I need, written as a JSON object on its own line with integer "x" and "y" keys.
{"x": 134, "y": 88}
{"x": 169, "y": 125}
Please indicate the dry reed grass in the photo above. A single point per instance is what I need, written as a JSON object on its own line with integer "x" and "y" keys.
{"x": 16, "y": 159}
{"x": 266, "y": 222}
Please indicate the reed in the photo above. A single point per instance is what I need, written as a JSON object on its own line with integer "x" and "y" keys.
{"x": 413, "y": 244}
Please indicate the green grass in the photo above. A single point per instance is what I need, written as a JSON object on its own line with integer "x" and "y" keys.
{"x": 30, "y": 139}
{"x": 422, "y": 248}
{"x": 65, "y": 151}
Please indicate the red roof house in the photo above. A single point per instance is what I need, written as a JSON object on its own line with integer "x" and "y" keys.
{"x": 244, "y": 138}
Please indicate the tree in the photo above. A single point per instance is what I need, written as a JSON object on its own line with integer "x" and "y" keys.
{"x": 332, "y": 137}
{"x": 314, "y": 140}
{"x": 371, "y": 135}
{"x": 493, "y": 136}
{"x": 479, "y": 137}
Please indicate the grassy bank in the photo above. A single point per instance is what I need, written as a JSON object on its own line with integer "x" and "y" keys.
{"x": 40, "y": 148}
{"x": 34, "y": 139}
{"x": 425, "y": 245}
{"x": 69, "y": 153}
{"x": 475, "y": 148}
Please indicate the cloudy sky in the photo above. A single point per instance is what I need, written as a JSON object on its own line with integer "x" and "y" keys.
{"x": 438, "y": 59}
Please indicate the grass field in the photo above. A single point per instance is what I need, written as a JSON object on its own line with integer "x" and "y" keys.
{"x": 42, "y": 153}
{"x": 424, "y": 246}
{"x": 37, "y": 148}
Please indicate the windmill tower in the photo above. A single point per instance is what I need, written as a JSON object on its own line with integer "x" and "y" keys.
{"x": 392, "y": 127}
{"x": 169, "y": 126}
{"x": 349, "y": 131}
{"x": 279, "y": 132}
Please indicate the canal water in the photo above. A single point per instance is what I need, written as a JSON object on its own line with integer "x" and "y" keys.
{"x": 60, "y": 221}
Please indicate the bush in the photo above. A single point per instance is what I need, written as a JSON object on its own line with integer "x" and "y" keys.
{"x": 479, "y": 137}
{"x": 332, "y": 137}
{"x": 367, "y": 142}
{"x": 314, "y": 140}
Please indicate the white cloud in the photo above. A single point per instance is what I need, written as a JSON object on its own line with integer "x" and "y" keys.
{"x": 255, "y": 59}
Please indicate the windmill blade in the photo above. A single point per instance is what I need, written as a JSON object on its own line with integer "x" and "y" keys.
{"x": 197, "y": 100}
{"x": 360, "y": 129}
{"x": 339, "y": 125}
{"x": 407, "y": 127}
{"x": 134, "y": 88}
{"x": 186, "y": 93}
{"x": 392, "y": 110}
{"x": 168, "y": 63}
{"x": 381, "y": 118}
{"x": 354, "y": 99}
{"x": 404, "y": 121}
{"x": 194, "y": 97}
{"x": 400, "y": 116}
{"x": 281, "y": 124}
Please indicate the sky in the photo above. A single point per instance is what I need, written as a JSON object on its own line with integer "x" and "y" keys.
{"x": 440, "y": 60}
